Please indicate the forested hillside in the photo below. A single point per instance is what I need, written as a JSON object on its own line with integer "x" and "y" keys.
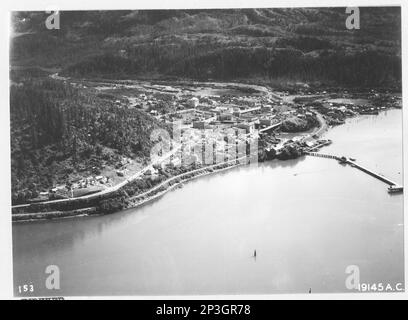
{"x": 57, "y": 132}
{"x": 273, "y": 44}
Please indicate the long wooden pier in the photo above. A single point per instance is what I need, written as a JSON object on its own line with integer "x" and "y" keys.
{"x": 321, "y": 155}
{"x": 393, "y": 186}
{"x": 372, "y": 173}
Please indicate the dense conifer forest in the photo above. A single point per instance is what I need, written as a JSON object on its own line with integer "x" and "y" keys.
{"x": 299, "y": 44}
{"x": 58, "y": 131}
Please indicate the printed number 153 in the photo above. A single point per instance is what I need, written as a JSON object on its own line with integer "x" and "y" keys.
{"x": 26, "y": 288}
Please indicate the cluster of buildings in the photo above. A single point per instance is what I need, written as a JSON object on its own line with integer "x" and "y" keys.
{"x": 86, "y": 185}
{"x": 225, "y": 120}
{"x": 78, "y": 187}
{"x": 212, "y": 114}
{"x": 121, "y": 167}
{"x": 89, "y": 181}
{"x": 207, "y": 111}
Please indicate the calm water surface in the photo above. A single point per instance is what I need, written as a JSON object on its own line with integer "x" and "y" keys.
{"x": 308, "y": 219}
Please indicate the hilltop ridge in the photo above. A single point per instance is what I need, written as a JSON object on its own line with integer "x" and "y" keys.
{"x": 298, "y": 44}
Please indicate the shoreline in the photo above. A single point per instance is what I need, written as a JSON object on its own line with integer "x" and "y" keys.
{"x": 179, "y": 184}
{"x": 43, "y": 216}
{"x": 87, "y": 212}
{"x": 91, "y": 211}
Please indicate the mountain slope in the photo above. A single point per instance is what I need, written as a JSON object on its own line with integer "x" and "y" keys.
{"x": 308, "y": 44}
{"x": 59, "y": 133}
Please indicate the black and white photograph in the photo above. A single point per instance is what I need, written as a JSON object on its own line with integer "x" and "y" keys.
{"x": 185, "y": 152}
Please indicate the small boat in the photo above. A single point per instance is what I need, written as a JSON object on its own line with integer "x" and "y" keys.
{"x": 352, "y": 159}
{"x": 395, "y": 189}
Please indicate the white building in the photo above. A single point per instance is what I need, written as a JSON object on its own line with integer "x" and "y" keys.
{"x": 193, "y": 102}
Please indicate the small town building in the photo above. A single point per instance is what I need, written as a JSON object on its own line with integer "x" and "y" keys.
{"x": 248, "y": 126}
{"x": 265, "y": 122}
{"x": 199, "y": 124}
{"x": 193, "y": 102}
{"x": 225, "y": 117}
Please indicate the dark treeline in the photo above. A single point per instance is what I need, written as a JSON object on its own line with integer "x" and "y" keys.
{"x": 104, "y": 65}
{"x": 366, "y": 68}
{"x": 58, "y": 132}
{"x": 215, "y": 44}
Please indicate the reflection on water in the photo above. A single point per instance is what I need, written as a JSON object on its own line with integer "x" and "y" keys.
{"x": 308, "y": 219}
